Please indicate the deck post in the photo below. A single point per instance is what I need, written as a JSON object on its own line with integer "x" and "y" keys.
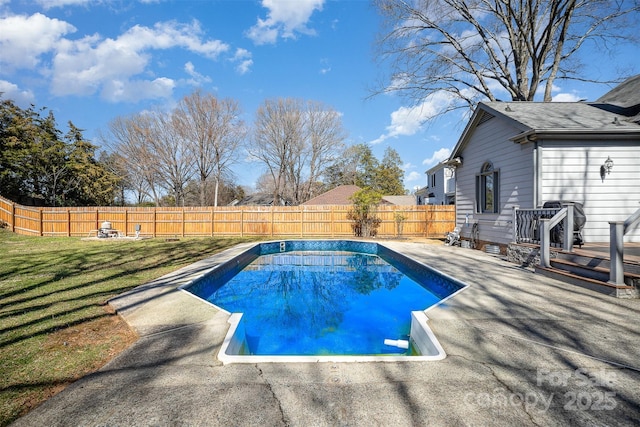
{"x": 545, "y": 243}
{"x": 616, "y": 252}
{"x": 514, "y": 222}
{"x": 568, "y": 227}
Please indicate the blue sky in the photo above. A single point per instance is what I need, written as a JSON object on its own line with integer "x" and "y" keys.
{"x": 90, "y": 61}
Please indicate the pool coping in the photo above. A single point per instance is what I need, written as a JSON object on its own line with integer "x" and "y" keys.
{"x": 422, "y": 335}
{"x": 509, "y": 336}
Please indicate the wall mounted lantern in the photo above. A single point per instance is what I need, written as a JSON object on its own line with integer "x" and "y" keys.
{"x": 605, "y": 169}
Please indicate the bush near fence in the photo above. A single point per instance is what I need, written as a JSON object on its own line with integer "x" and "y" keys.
{"x": 280, "y": 221}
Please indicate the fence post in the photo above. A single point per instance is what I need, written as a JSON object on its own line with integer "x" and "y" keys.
{"x": 241, "y": 222}
{"x": 182, "y": 231}
{"x": 212, "y": 220}
{"x": 301, "y": 221}
{"x": 333, "y": 231}
{"x": 155, "y": 220}
{"x": 272, "y": 207}
{"x": 616, "y": 252}
{"x": 126, "y": 221}
{"x": 13, "y": 217}
{"x": 68, "y": 222}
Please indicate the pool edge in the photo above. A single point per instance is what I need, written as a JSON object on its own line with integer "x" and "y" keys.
{"x": 420, "y": 319}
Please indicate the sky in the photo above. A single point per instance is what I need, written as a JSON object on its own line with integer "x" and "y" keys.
{"x": 90, "y": 61}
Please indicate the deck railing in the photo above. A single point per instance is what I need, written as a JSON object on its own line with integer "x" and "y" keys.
{"x": 526, "y": 224}
{"x": 544, "y": 227}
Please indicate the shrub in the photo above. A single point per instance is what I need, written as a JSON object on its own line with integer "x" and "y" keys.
{"x": 363, "y": 213}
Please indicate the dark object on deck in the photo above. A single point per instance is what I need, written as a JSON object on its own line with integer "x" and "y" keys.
{"x": 579, "y": 220}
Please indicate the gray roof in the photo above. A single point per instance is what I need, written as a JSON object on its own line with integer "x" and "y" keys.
{"x": 625, "y": 95}
{"x": 400, "y": 200}
{"x": 258, "y": 199}
{"x": 561, "y": 116}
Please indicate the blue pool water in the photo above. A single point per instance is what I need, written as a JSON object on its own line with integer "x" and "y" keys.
{"x": 323, "y": 301}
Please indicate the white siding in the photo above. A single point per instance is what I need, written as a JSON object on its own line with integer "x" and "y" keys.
{"x": 571, "y": 171}
{"x": 438, "y": 190}
{"x": 490, "y": 142}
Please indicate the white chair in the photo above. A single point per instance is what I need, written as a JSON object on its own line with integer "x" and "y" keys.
{"x": 452, "y": 238}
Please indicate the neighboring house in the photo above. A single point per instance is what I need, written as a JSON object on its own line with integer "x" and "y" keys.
{"x": 440, "y": 189}
{"x": 341, "y": 195}
{"x": 405, "y": 200}
{"x": 337, "y": 196}
{"x": 422, "y": 196}
{"x": 526, "y": 153}
{"x": 259, "y": 199}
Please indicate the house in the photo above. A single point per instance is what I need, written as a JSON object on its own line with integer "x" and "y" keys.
{"x": 522, "y": 154}
{"x": 337, "y": 196}
{"x": 440, "y": 189}
{"x": 341, "y": 195}
{"x": 404, "y": 200}
{"x": 260, "y": 199}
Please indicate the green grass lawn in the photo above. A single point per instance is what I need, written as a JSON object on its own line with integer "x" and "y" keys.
{"x": 55, "y": 323}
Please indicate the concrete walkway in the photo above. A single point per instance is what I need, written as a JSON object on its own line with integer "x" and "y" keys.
{"x": 522, "y": 350}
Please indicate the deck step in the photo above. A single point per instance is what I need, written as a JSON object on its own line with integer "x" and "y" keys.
{"x": 630, "y": 267}
{"x": 618, "y": 291}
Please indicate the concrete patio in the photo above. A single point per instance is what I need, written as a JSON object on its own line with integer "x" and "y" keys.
{"x": 522, "y": 350}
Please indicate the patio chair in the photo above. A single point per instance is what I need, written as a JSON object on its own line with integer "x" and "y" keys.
{"x": 452, "y": 238}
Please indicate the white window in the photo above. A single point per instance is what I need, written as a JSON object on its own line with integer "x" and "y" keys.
{"x": 487, "y": 189}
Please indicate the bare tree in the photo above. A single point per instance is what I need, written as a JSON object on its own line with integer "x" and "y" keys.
{"x": 171, "y": 154}
{"x": 470, "y": 50}
{"x": 325, "y": 136}
{"x": 127, "y": 137}
{"x": 277, "y": 139}
{"x": 214, "y": 131}
{"x": 296, "y": 140}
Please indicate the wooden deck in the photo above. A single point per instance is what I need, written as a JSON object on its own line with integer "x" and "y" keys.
{"x": 631, "y": 251}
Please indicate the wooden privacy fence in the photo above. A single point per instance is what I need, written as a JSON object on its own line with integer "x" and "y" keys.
{"x": 281, "y": 221}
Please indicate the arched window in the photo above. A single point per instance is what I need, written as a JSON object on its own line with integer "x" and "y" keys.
{"x": 487, "y": 189}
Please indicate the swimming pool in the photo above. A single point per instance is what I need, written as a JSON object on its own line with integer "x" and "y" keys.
{"x": 325, "y": 300}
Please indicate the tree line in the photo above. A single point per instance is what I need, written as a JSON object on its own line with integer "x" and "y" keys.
{"x": 40, "y": 165}
{"x": 187, "y": 156}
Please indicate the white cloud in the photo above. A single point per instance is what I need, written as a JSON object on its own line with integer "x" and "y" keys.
{"x": 24, "y": 39}
{"x": 437, "y": 157}
{"x": 413, "y": 176}
{"x": 197, "y": 79}
{"x": 407, "y": 121}
{"x": 566, "y": 97}
{"x": 244, "y": 60}
{"x": 94, "y": 64}
{"x": 49, "y": 4}
{"x": 82, "y": 67}
{"x": 9, "y": 90}
{"x": 285, "y": 19}
{"x": 135, "y": 90}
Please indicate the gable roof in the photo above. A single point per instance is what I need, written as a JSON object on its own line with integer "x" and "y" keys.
{"x": 258, "y": 199}
{"x": 623, "y": 99}
{"x": 561, "y": 117}
{"x": 539, "y": 119}
{"x": 337, "y": 196}
{"x": 625, "y": 95}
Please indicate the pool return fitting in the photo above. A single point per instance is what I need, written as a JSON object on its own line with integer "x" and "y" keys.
{"x": 397, "y": 343}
